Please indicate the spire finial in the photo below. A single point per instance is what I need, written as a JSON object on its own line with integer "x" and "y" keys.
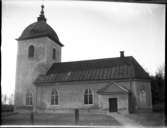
{"x": 42, "y": 9}
{"x": 42, "y": 16}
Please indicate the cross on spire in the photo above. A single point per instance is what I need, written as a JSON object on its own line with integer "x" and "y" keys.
{"x": 42, "y": 16}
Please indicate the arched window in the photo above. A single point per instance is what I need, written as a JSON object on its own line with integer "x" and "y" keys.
{"x": 54, "y": 97}
{"x": 54, "y": 54}
{"x": 31, "y": 51}
{"x": 29, "y": 98}
{"x": 88, "y": 97}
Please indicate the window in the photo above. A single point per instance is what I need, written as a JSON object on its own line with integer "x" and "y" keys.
{"x": 54, "y": 54}
{"x": 54, "y": 97}
{"x": 29, "y": 98}
{"x": 88, "y": 97}
{"x": 31, "y": 51}
{"x": 142, "y": 97}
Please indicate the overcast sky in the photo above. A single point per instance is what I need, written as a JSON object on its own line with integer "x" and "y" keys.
{"x": 89, "y": 30}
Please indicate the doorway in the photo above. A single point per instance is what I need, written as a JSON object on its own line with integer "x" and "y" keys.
{"x": 113, "y": 105}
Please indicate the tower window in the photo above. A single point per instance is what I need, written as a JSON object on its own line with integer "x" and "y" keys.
{"x": 54, "y": 97}
{"x": 29, "y": 98}
{"x": 31, "y": 51}
{"x": 88, "y": 97}
{"x": 54, "y": 54}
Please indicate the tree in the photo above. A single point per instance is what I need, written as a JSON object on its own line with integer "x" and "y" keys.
{"x": 161, "y": 72}
{"x": 11, "y": 99}
{"x": 158, "y": 86}
{"x": 4, "y": 98}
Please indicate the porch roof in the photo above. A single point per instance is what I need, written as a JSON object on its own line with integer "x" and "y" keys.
{"x": 112, "y": 88}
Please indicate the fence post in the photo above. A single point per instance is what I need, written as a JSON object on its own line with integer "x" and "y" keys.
{"x": 76, "y": 115}
{"x": 32, "y": 117}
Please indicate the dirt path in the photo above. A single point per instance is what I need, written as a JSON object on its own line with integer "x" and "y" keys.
{"x": 140, "y": 120}
{"x": 126, "y": 122}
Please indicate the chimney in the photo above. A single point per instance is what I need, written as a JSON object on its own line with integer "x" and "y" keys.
{"x": 121, "y": 53}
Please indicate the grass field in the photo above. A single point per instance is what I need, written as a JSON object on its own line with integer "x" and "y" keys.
{"x": 58, "y": 119}
{"x": 144, "y": 119}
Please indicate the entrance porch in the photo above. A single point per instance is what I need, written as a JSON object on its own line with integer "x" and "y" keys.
{"x": 113, "y": 98}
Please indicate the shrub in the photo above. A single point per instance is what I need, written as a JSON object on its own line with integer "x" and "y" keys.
{"x": 7, "y": 108}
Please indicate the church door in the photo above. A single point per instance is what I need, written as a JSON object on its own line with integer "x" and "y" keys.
{"x": 112, "y": 104}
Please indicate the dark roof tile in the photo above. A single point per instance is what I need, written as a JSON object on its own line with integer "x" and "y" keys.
{"x": 39, "y": 29}
{"x": 100, "y": 69}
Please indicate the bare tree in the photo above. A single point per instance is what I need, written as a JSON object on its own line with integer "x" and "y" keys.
{"x": 161, "y": 71}
{"x": 11, "y": 99}
{"x": 158, "y": 85}
{"x": 4, "y": 98}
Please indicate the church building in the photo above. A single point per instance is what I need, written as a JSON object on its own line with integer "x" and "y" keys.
{"x": 46, "y": 84}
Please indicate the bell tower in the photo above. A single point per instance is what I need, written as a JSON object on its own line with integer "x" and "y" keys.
{"x": 38, "y": 48}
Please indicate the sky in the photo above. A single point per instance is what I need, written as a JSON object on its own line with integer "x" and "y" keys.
{"x": 88, "y": 30}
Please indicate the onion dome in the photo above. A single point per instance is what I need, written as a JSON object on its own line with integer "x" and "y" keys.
{"x": 40, "y": 29}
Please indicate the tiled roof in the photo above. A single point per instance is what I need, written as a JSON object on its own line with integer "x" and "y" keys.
{"x": 90, "y": 70}
{"x": 39, "y": 29}
{"x": 112, "y": 88}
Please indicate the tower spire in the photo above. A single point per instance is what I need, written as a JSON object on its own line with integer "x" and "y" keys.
{"x": 42, "y": 16}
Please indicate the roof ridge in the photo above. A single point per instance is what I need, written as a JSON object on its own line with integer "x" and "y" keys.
{"x": 90, "y": 60}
